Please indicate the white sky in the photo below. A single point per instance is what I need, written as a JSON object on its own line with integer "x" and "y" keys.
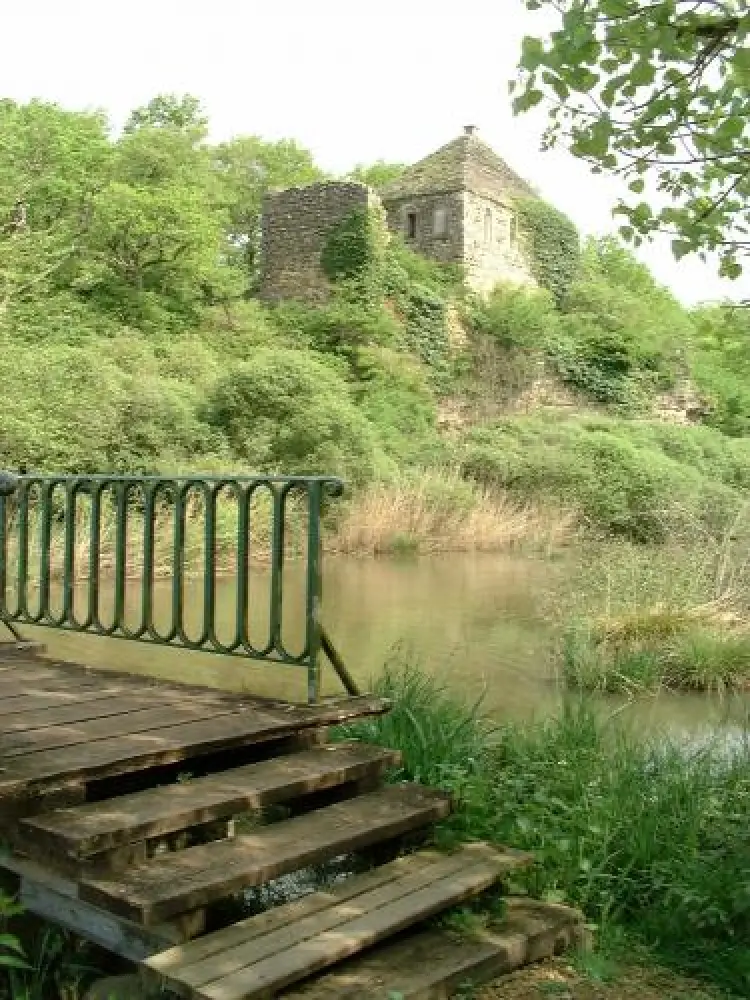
{"x": 352, "y": 82}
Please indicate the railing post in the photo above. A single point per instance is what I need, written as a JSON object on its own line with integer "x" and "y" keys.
{"x": 8, "y": 486}
{"x": 314, "y": 588}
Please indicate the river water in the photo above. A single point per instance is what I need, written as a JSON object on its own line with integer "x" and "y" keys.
{"x": 477, "y": 622}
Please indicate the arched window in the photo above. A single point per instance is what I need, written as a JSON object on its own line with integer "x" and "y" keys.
{"x": 488, "y": 226}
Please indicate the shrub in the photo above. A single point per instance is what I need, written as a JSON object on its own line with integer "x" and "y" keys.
{"x": 289, "y": 412}
{"x": 639, "y": 481}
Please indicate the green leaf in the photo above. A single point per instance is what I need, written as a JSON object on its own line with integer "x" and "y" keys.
{"x": 527, "y": 101}
{"x": 637, "y": 185}
{"x": 532, "y": 53}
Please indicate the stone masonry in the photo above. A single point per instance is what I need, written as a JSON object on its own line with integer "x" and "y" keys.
{"x": 455, "y": 205}
{"x": 296, "y": 223}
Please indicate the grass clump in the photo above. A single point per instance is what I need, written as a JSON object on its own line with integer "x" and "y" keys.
{"x": 660, "y": 648}
{"x": 648, "y": 837}
{"x": 432, "y": 510}
{"x": 673, "y": 617}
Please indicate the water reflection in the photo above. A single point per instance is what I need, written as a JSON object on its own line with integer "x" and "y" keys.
{"x": 478, "y": 623}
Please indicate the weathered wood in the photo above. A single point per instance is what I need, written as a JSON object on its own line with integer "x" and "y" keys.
{"x": 437, "y": 964}
{"x": 20, "y": 651}
{"x": 137, "y": 720}
{"x": 80, "y": 710}
{"x": 194, "y": 877}
{"x": 244, "y": 931}
{"x": 169, "y": 725}
{"x": 54, "y": 699}
{"x": 271, "y": 960}
{"x": 123, "y": 938}
{"x": 102, "y": 826}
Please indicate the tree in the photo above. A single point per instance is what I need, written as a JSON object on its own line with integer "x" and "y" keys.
{"x": 184, "y": 114}
{"x": 658, "y": 93}
{"x": 156, "y": 241}
{"x": 52, "y": 162}
{"x": 248, "y": 167}
{"x": 377, "y": 175}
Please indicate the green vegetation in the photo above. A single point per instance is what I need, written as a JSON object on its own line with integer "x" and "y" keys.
{"x": 648, "y": 838}
{"x": 659, "y": 94}
{"x": 131, "y": 340}
{"x": 553, "y": 244}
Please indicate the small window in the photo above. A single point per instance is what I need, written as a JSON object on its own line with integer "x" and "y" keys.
{"x": 440, "y": 222}
{"x": 411, "y": 225}
{"x": 488, "y": 226}
{"x": 513, "y": 230}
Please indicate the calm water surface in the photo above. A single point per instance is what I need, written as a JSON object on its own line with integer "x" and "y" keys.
{"x": 478, "y": 623}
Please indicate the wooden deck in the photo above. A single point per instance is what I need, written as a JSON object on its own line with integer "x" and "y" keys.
{"x": 119, "y": 799}
{"x": 64, "y": 727}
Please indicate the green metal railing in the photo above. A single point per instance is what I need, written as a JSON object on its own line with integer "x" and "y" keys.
{"x": 71, "y": 545}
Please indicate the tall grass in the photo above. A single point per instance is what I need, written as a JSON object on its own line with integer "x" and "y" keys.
{"x": 437, "y": 510}
{"x": 645, "y": 835}
{"x": 674, "y": 617}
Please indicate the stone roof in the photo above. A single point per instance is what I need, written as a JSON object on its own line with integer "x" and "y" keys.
{"x": 465, "y": 164}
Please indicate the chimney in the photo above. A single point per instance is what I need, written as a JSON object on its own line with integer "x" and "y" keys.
{"x": 470, "y": 129}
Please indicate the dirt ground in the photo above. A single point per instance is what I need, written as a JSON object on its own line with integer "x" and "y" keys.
{"x": 558, "y": 980}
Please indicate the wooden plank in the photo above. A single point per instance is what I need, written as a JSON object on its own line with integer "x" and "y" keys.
{"x": 79, "y": 710}
{"x": 56, "y": 899}
{"x": 123, "y": 938}
{"x": 44, "y": 678}
{"x": 127, "y": 753}
{"x": 54, "y": 699}
{"x": 142, "y": 719}
{"x": 355, "y": 928}
{"x": 191, "y": 878}
{"x": 244, "y": 931}
{"x": 102, "y": 826}
{"x": 436, "y": 964}
{"x": 294, "y": 933}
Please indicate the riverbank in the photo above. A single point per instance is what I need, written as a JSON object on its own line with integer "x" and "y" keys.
{"x": 646, "y": 834}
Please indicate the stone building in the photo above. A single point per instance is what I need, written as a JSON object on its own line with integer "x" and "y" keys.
{"x": 455, "y": 205}
{"x": 295, "y": 225}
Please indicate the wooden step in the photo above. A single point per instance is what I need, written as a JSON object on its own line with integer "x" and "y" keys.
{"x": 435, "y": 963}
{"x": 186, "y": 880}
{"x": 57, "y": 754}
{"x": 85, "y": 831}
{"x": 264, "y": 954}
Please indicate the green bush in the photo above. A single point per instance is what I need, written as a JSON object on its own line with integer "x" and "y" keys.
{"x": 635, "y": 480}
{"x": 338, "y": 328}
{"x": 287, "y": 411}
{"x": 392, "y": 391}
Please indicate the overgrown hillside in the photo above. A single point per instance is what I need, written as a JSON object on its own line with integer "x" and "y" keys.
{"x": 131, "y": 341}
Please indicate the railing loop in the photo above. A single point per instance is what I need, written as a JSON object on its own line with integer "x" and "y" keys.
{"x": 97, "y": 540}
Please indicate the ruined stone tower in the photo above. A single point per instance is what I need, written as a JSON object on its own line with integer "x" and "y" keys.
{"x": 455, "y": 205}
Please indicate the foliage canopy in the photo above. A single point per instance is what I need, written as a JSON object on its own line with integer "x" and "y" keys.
{"x": 658, "y": 93}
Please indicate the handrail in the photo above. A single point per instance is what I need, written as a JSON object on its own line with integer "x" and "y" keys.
{"x": 79, "y": 531}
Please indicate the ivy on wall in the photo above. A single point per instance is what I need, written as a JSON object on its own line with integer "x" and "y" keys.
{"x": 353, "y": 254}
{"x": 553, "y": 244}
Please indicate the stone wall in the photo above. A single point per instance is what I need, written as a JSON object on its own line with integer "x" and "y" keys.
{"x": 446, "y": 247}
{"x": 296, "y": 223}
{"x": 492, "y": 250}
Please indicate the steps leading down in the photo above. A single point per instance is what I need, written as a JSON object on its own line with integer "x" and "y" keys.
{"x": 172, "y": 884}
{"x": 262, "y": 955}
{"x": 83, "y": 832}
